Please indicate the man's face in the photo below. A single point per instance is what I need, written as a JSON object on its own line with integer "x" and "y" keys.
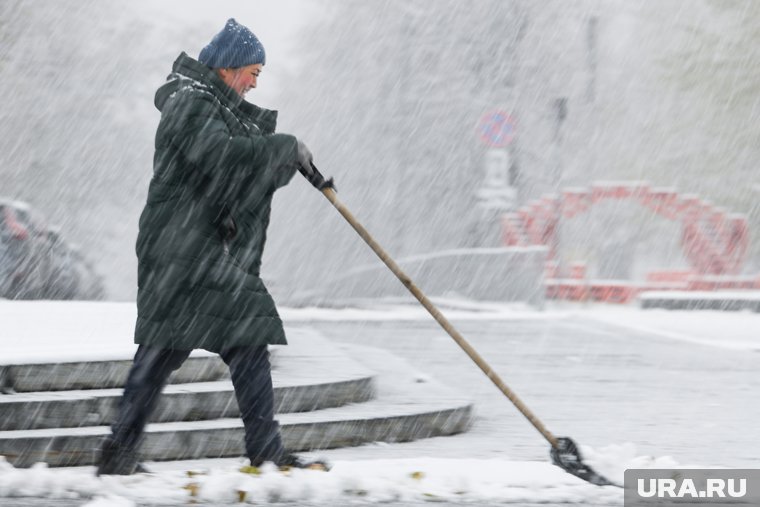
{"x": 241, "y": 79}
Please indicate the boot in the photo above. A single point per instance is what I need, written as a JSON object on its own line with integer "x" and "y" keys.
{"x": 288, "y": 461}
{"x": 118, "y": 460}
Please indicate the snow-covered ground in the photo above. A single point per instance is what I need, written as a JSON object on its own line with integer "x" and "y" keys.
{"x": 732, "y": 330}
{"x": 39, "y": 330}
{"x": 418, "y": 472}
{"x": 491, "y": 481}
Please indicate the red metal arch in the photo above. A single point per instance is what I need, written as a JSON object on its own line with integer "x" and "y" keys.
{"x": 713, "y": 241}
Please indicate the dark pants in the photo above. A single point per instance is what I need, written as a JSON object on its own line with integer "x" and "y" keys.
{"x": 251, "y": 377}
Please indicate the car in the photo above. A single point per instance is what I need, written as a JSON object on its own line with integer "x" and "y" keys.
{"x": 36, "y": 262}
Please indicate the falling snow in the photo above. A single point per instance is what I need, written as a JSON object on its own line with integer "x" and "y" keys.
{"x": 489, "y": 146}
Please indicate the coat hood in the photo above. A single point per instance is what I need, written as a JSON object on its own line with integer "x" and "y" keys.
{"x": 188, "y": 72}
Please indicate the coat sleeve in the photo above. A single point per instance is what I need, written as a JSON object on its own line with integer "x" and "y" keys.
{"x": 284, "y": 165}
{"x": 194, "y": 126}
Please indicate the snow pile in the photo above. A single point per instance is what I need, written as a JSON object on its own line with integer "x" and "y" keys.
{"x": 490, "y": 481}
{"x": 613, "y": 460}
{"x": 41, "y": 481}
{"x": 411, "y": 480}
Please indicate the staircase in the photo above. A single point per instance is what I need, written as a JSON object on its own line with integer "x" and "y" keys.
{"x": 326, "y": 396}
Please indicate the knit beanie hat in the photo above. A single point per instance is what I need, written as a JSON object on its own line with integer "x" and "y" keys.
{"x": 234, "y": 47}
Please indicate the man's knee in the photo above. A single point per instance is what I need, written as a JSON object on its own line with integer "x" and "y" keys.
{"x": 153, "y": 364}
{"x": 254, "y": 358}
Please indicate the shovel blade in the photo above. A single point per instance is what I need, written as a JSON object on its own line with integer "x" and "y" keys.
{"x": 567, "y": 456}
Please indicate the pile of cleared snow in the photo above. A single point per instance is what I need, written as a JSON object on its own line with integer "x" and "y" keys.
{"x": 613, "y": 460}
{"x": 494, "y": 481}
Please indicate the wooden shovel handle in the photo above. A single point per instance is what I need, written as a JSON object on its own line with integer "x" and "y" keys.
{"x": 438, "y": 316}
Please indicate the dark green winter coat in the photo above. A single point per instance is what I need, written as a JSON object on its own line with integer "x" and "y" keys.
{"x": 216, "y": 166}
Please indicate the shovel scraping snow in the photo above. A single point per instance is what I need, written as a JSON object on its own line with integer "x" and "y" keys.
{"x": 564, "y": 452}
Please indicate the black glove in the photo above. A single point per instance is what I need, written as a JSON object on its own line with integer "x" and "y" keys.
{"x": 315, "y": 177}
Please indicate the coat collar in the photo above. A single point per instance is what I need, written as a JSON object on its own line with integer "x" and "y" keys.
{"x": 187, "y": 68}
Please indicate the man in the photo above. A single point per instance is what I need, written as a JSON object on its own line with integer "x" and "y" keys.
{"x": 217, "y": 164}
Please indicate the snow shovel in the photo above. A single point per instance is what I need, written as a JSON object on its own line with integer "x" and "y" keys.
{"x": 564, "y": 452}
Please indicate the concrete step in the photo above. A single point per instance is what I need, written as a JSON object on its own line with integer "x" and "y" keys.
{"x": 65, "y": 345}
{"x": 375, "y": 421}
{"x": 83, "y": 369}
{"x": 180, "y": 402}
{"x": 309, "y": 374}
{"x": 407, "y": 406}
{"x": 349, "y": 396}
{"x": 66, "y": 376}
